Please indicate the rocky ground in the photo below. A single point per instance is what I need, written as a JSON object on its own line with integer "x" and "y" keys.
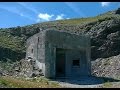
{"x": 107, "y": 67}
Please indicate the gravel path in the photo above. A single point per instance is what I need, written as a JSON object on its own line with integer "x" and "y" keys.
{"x": 82, "y": 82}
{"x": 68, "y": 85}
{"x": 2, "y": 86}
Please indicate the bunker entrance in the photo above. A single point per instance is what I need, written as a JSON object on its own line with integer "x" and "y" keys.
{"x": 60, "y": 62}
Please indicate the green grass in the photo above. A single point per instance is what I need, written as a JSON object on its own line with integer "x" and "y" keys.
{"x": 28, "y": 83}
{"x": 87, "y": 20}
{"x": 8, "y": 41}
{"x": 107, "y": 85}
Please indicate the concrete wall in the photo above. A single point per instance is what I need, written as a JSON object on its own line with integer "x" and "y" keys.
{"x": 76, "y": 71}
{"x": 45, "y": 51}
{"x": 56, "y": 39}
{"x": 38, "y": 47}
{"x": 66, "y": 40}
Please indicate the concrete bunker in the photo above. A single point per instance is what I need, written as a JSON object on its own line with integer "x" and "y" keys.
{"x": 60, "y": 54}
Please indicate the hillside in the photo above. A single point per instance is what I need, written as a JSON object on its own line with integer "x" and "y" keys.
{"x": 102, "y": 29}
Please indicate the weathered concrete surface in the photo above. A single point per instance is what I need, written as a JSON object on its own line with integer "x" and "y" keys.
{"x": 42, "y": 48}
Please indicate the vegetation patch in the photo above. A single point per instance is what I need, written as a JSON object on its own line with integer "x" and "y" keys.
{"x": 107, "y": 85}
{"x": 28, "y": 83}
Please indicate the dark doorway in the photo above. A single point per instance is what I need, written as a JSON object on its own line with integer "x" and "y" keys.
{"x": 60, "y": 62}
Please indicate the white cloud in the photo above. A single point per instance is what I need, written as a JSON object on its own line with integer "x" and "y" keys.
{"x": 59, "y": 17}
{"x": 103, "y": 4}
{"x": 45, "y": 16}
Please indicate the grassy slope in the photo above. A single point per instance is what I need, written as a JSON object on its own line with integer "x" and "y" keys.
{"x": 30, "y": 83}
{"x": 11, "y": 42}
{"x": 13, "y": 38}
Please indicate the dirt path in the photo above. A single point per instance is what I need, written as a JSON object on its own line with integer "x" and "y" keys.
{"x": 68, "y": 85}
{"x": 83, "y": 82}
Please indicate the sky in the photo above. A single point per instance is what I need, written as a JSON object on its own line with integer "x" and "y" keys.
{"x": 14, "y": 14}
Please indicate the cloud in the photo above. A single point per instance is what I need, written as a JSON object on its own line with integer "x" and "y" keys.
{"x": 44, "y": 16}
{"x": 59, "y": 17}
{"x": 103, "y": 4}
{"x": 47, "y": 17}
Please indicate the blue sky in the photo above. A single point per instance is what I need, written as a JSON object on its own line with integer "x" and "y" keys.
{"x": 25, "y": 13}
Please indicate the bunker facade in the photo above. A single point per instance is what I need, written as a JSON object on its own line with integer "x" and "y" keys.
{"x": 60, "y": 54}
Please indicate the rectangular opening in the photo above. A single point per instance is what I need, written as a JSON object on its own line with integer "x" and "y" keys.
{"x": 60, "y": 62}
{"x": 32, "y": 50}
{"x": 76, "y": 62}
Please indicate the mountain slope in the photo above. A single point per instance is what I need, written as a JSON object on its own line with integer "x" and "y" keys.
{"x": 104, "y": 31}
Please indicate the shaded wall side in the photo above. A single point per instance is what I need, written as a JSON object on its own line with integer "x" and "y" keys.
{"x": 88, "y": 56}
{"x": 50, "y": 57}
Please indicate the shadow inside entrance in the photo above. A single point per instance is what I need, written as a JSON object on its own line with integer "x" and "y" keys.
{"x": 86, "y": 80}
